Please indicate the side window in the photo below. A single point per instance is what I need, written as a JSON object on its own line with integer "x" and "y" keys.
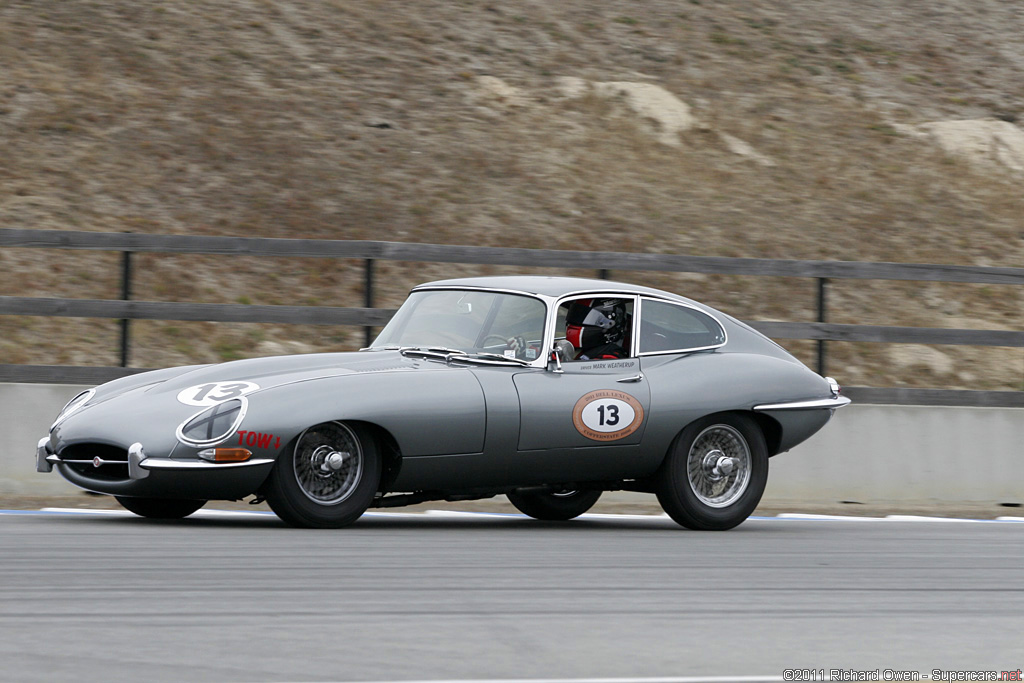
{"x": 596, "y": 327}
{"x": 670, "y": 327}
{"x": 517, "y": 316}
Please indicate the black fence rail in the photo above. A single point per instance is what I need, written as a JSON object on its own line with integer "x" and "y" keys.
{"x": 602, "y": 262}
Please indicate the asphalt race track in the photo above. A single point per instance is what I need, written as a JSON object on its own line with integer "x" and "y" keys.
{"x": 105, "y": 596}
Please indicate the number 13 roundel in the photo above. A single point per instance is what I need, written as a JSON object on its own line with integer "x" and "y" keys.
{"x": 607, "y": 415}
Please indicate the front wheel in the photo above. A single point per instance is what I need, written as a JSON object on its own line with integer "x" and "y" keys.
{"x": 554, "y": 507}
{"x": 328, "y": 479}
{"x": 160, "y": 508}
{"x": 715, "y": 473}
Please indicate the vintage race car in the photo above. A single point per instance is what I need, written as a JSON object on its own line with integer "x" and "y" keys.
{"x": 548, "y": 390}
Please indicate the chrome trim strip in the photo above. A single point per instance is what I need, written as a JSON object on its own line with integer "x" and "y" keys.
{"x": 146, "y": 465}
{"x": 634, "y": 334}
{"x": 87, "y": 462}
{"x": 541, "y": 360}
{"x": 57, "y": 460}
{"x": 639, "y": 318}
{"x": 816, "y": 404}
{"x": 65, "y": 413}
{"x": 607, "y": 291}
{"x": 43, "y": 463}
{"x": 136, "y": 456}
{"x": 180, "y": 435}
{"x": 553, "y": 303}
{"x": 180, "y": 465}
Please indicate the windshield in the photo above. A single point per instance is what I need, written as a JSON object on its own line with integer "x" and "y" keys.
{"x": 510, "y": 325}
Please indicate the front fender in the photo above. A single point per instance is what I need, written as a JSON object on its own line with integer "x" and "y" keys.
{"x": 427, "y": 411}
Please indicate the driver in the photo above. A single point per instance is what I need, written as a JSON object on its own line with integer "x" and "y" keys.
{"x": 598, "y": 328}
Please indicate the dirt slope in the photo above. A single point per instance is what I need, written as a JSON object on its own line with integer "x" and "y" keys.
{"x": 451, "y": 122}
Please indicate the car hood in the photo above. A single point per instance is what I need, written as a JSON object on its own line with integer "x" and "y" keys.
{"x": 147, "y": 406}
{"x": 274, "y": 371}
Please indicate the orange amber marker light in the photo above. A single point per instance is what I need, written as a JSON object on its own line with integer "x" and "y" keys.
{"x": 231, "y": 454}
{"x": 225, "y": 454}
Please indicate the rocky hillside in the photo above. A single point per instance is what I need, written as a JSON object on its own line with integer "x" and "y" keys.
{"x": 806, "y": 129}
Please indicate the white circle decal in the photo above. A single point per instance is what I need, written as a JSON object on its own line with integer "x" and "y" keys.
{"x": 212, "y": 393}
{"x": 607, "y": 415}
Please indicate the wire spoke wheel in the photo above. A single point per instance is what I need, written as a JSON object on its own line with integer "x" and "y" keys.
{"x": 328, "y": 463}
{"x": 714, "y": 473}
{"x": 326, "y": 477}
{"x": 718, "y": 466}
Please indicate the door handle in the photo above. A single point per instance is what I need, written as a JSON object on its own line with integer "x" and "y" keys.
{"x": 635, "y": 378}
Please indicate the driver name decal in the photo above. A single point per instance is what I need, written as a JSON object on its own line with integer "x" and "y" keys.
{"x": 607, "y": 415}
{"x": 212, "y": 393}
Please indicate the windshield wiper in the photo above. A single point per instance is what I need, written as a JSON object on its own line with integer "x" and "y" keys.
{"x": 448, "y": 355}
{"x": 431, "y": 352}
{"x": 442, "y": 349}
{"x": 484, "y": 355}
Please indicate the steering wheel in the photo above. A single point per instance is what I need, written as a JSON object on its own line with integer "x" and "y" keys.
{"x": 503, "y": 340}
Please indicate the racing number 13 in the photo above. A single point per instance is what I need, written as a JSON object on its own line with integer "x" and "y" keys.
{"x": 611, "y": 418}
{"x": 227, "y": 391}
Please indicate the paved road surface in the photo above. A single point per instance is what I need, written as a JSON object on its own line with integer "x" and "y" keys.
{"x": 112, "y": 598}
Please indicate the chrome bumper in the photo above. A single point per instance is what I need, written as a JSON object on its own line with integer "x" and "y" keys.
{"x": 820, "y": 403}
{"x": 139, "y": 466}
{"x": 43, "y": 463}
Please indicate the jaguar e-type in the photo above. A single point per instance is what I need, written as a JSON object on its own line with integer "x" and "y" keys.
{"x": 548, "y": 390}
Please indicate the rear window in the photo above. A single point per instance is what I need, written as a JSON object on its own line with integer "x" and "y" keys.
{"x": 671, "y": 327}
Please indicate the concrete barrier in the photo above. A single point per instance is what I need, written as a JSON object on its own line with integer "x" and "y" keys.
{"x": 874, "y": 454}
{"x": 26, "y": 413}
{"x": 907, "y": 456}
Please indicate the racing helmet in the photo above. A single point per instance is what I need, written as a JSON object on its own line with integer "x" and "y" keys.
{"x": 594, "y": 322}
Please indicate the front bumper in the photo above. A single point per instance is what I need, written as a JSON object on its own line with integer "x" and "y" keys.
{"x": 158, "y": 477}
{"x": 814, "y": 404}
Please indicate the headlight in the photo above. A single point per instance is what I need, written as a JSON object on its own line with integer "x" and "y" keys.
{"x": 73, "y": 405}
{"x": 214, "y": 424}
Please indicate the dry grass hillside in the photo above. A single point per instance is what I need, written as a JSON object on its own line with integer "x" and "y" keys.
{"x": 787, "y": 130}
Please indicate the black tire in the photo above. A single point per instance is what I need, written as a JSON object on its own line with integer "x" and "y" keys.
{"x": 553, "y": 507}
{"x": 160, "y": 508}
{"x": 692, "y": 485}
{"x": 327, "y": 479}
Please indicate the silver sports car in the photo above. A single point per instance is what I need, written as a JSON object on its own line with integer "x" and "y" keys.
{"x": 548, "y": 390}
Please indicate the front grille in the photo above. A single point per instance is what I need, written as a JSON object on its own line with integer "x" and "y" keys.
{"x": 81, "y": 458}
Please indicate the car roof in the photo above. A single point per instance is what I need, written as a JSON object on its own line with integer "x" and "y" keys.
{"x": 552, "y": 286}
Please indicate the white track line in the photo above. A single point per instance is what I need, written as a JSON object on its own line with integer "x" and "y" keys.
{"x": 795, "y": 516}
{"x": 632, "y": 679}
{"x": 800, "y": 516}
{"x": 212, "y": 513}
{"x": 460, "y": 514}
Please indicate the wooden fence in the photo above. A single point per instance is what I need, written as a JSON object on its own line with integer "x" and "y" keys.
{"x": 602, "y": 262}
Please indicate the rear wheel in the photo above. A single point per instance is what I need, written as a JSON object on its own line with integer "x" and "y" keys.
{"x": 554, "y": 507}
{"x": 328, "y": 479}
{"x": 715, "y": 473}
{"x": 160, "y": 508}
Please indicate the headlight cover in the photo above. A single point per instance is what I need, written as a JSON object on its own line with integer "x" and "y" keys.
{"x": 213, "y": 425}
{"x": 73, "y": 405}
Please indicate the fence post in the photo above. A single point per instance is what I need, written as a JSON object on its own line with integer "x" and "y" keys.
{"x": 126, "y": 295}
{"x": 368, "y": 291}
{"x": 822, "y": 317}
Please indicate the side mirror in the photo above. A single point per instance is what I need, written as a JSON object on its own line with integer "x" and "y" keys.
{"x": 562, "y": 350}
{"x": 555, "y": 362}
